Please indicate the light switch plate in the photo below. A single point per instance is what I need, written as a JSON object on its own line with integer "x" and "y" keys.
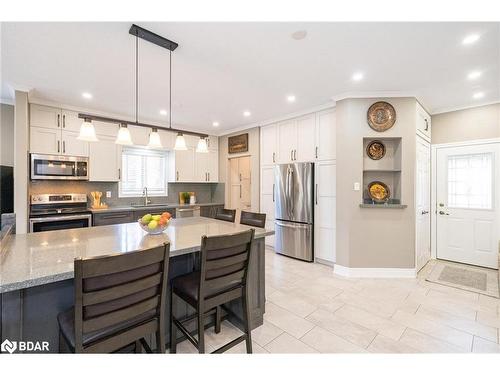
{"x": 108, "y": 194}
{"x": 356, "y": 186}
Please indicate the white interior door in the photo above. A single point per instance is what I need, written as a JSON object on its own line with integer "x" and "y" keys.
{"x": 467, "y": 187}
{"x": 240, "y": 184}
{"x": 423, "y": 204}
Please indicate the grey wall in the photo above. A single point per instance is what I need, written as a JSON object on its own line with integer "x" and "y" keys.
{"x": 467, "y": 124}
{"x": 253, "y": 152}
{"x": 7, "y": 135}
{"x": 205, "y": 193}
{"x": 374, "y": 238}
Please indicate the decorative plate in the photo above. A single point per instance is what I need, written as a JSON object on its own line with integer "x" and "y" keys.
{"x": 375, "y": 150}
{"x": 381, "y": 116}
{"x": 378, "y": 191}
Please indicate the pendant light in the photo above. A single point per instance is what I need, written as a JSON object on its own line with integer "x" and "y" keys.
{"x": 87, "y": 131}
{"x": 202, "y": 145}
{"x": 124, "y": 138}
{"x": 154, "y": 139}
{"x": 180, "y": 143}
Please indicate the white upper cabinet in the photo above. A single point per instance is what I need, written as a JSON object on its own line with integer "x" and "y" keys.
{"x": 287, "y": 141}
{"x": 213, "y": 166}
{"x": 268, "y": 144}
{"x": 325, "y": 135}
{"x": 105, "y": 128}
{"x": 45, "y": 117}
{"x": 104, "y": 160}
{"x": 213, "y": 142}
{"x": 423, "y": 123}
{"x": 182, "y": 166}
{"x": 71, "y": 146}
{"x": 201, "y": 166}
{"x": 306, "y": 138}
{"x": 70, "y": 121}
{"x": 45, "y": 140}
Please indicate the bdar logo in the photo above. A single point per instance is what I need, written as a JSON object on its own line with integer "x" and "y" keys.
{"x": 9, "y": 346}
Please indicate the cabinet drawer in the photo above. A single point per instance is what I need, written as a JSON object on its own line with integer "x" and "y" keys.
{"x": 112, "y": 218}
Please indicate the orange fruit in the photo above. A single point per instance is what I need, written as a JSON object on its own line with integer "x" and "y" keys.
{"x": 166, "y": 215}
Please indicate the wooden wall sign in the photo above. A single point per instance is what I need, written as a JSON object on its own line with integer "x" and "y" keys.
{"x": 237, "y": 143}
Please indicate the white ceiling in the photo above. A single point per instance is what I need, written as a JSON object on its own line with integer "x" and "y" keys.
{"x": 222, "y": 69}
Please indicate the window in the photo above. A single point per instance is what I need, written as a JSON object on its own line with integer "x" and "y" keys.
{"x": 470, "y": 181}
{"x": 143, "y": 168}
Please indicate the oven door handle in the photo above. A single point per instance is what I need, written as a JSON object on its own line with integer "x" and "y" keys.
{"x": 60, "y": 218}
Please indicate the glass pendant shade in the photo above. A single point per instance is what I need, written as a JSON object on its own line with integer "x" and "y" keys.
{"x": 180, "y": 143}
{"x": 123, "y": 137}
{"x": 87, "y": 132}
{"x": 202, "y": 146}
{"x": 154, "y": 139}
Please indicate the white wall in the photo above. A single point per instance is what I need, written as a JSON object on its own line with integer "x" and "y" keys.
{"x": 7, "y": 135}
{"x": 21, "y": 171}
{"x": 253, "y": 152}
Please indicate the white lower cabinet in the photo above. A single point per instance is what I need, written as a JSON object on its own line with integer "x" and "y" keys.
{"x": 267, "y": 200}
{"x": 104, "y": 160}
{"x": 324, "y": 211}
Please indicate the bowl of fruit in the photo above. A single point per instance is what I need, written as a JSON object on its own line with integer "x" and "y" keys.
{"x": 155, "y": 224}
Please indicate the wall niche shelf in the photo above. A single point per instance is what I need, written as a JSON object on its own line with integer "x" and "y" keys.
{"x": 386, "y": 170}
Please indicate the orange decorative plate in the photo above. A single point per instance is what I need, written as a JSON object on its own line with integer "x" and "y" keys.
{"x": 378, "y": 191}
{"x": 381, "y": 116}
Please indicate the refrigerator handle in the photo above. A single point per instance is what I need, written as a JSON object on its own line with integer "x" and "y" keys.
{"x": 316, "y": 195}
{"x": 273, "y": 192}
{"x": 291, "y": 195}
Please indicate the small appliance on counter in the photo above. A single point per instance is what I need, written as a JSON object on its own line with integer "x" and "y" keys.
{"x": 58, "y": 211}
{"x": 96, "y": 203}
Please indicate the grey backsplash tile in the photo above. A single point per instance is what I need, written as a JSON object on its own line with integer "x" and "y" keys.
{"x": 205, "y": 193}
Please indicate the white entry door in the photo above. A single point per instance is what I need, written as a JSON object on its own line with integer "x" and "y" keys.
{"x": 423, "y": 203}
{"x": 467, "y": 199}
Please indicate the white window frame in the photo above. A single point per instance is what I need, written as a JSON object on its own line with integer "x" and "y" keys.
{"x": 143, "y": 151}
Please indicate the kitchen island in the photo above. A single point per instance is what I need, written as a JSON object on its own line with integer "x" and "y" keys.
{"x": 36, "y": 270}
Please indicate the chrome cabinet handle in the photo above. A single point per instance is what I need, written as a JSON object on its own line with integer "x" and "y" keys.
{"x": 274, "y": 157}
{"x": 58, "y": 146}
{"x": 208, "y": 176}
{"x": 316, "y": 152}
{"x": 443, "y": 213}
{"x": 177, "y": 176}
{"x": 294, "y": 154}
{"x": 426, "y": 125}
{"x": 119, "y": 174}
{"x": 240, "y": 191}
{"x": 64, "y": 147}
{"x": 316, "y": 194}
{"x": 291, "y": 155}
{"x": 64, "y": 121}
{"x": 58, "y": 121}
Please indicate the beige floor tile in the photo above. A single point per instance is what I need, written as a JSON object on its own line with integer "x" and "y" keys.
{"x": 378, "y": 307}
{"x": 463, "y": 324}
{"x": 484, "y": 346}
{"x": 228, "y": 333}
{"x": 427, "y": 344}
{"x": 327, "y": 342}
{"x": 293, "y": 303}
{"x": 382, "y": 344}
{"x": 242, "y": 349}
{"x": 491, "y": 319}
{"x": 434, "y": 329}
{"x": 442, "y": 304}
{"x": 185, "y": 347}
{"x": 287, "y": 321}
{"x": 286, "y": 343}
{"x": 265, "y": 333}
{"x": 491, "y": 302}
{"x": 383, "y": 326}
{"x": 331, "y": 306}
{"x": 341, "y": 327}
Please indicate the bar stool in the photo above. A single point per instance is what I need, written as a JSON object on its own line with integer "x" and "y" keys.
{"x": 253, "y": 219}
{"x": 225, "y": 215}
{"x": 119, "y": 300}
{"x": 221, "y": 279}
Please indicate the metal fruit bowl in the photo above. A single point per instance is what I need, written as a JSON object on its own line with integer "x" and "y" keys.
{"x": 158, "y": 230}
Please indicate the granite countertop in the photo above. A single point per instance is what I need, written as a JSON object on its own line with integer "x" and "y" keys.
{"x": 40, "y": 258}
{"x": 152, "y": 207}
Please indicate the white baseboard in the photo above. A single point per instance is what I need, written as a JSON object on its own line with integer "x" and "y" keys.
{"x": 374, "y": 272}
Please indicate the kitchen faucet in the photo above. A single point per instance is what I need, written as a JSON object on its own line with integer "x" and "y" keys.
{"x": 145, "y": 195}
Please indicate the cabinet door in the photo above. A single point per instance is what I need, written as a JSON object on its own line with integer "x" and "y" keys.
{"x": 306, "y": 134}
{"x": 104, "y": 160}
{"x": 325, "y": 136}
{"x": 201, "y": 160}
{"x": 213, "y": 142}
{"x": 45, "y": 117}
{"x": 287, "y": 141}
{"x": 267, "y": 200}
{"x": 184, "y": 166}
{"x": 110, "y": 218}
{"x": 106, "y": 128}
{"x": 213, "y": 166}
{"x": 45, "y": 140}
{"x": 268, "y": 145}
{"x": 70, "y": 121}
{"x": 423, "y": 122}
{"x": 72, "y": 146}
{"x": 324, "y": 211}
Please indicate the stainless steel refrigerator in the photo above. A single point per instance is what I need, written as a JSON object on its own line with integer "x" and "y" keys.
{"x": 294, "y": 227}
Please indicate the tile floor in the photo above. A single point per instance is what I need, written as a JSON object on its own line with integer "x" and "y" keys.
{"x": 311, "y": 310}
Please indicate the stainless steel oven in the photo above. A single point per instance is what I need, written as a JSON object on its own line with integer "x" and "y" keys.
{"x": 58, "y": 211}
{"x": 56, "y": 167}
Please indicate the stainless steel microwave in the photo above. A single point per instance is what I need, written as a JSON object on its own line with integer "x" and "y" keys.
{"x": 56, "y": 167}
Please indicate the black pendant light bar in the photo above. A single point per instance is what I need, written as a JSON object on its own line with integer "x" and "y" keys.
{"x": 152, "y": 37}
{"x": 115, "y": 121}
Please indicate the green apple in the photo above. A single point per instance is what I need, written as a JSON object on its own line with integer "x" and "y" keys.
{"x": 146, "y": 219}
{"x": 152, "y": 224}
{"x": 156, "y": 217}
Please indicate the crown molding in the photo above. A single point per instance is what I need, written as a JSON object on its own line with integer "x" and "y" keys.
{"x": 7, "y": 101}
{"x": 461, "y": 108}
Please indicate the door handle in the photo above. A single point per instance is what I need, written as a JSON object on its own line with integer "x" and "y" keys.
{"x": 443, "y": 213}
{"x": 424, "y": 212}
{"x": 426, "y": 125}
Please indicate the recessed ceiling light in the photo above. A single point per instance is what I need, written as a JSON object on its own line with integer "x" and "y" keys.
{"x": 299, "y": 34}
{"x": 478, "y": 95}
{"x": 357, "y": 76}
{"x": 163, "y": 112}
{"x": 469, "y": 39}
{"x": 474, "y": 75}
{"x": 87, "y": 95}
{"x": 246, "y": 113}
{"x": 215, "y": 123}
{"x": 291, "y": 98}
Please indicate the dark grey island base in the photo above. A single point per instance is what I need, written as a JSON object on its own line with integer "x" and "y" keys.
{"x": 30, "y": 313}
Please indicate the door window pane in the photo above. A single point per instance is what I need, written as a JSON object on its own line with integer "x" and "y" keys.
{"x": 470, "y": 181}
